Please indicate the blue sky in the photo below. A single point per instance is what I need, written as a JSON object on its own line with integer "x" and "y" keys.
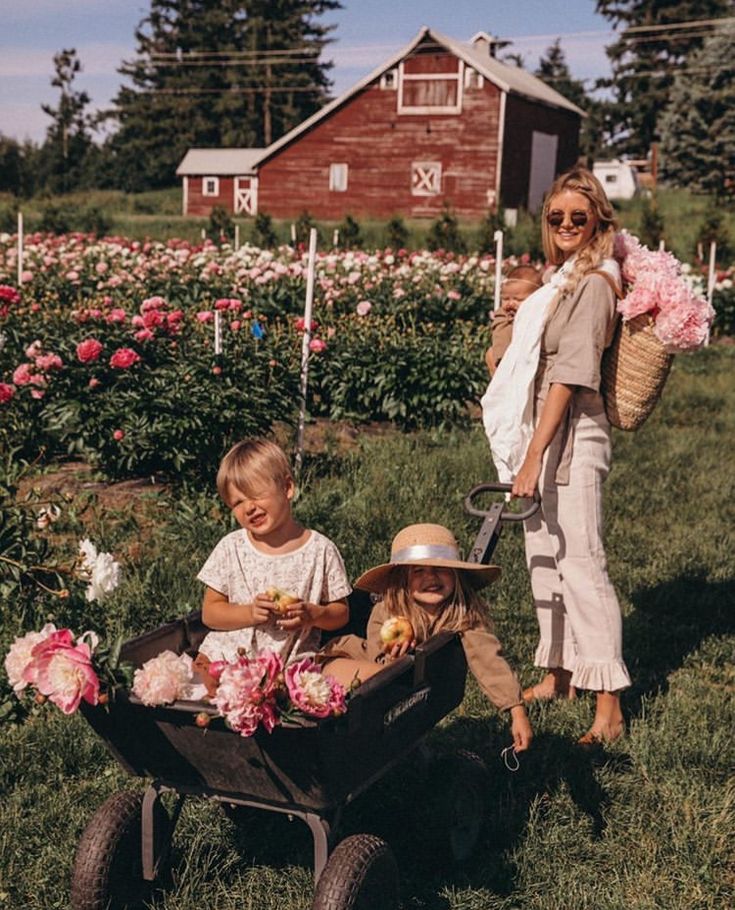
{"x": 367, "y": 33}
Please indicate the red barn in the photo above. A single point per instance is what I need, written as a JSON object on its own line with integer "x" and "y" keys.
{"x": 442, "y": 122}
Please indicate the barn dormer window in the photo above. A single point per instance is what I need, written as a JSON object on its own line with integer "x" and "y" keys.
{"x": 210, "y": 186}
{"x": 389, "y": 80}
{"x": 472, "y": 79}
{"x": 426, "y": 89}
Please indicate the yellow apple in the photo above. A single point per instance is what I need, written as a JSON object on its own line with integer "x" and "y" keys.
{"x": 282, "y": 599}
{"x": 395, "y": 631}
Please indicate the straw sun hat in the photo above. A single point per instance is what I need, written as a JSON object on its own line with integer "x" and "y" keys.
{"x": 425, "y": 545}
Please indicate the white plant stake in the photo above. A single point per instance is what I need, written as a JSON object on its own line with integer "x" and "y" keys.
{"x": 498, "y": 238}
{"x": 237, "y": 237}
{"x": 20, "y": 248}
{"x": 217, "y": 332}
{"x": 712, "y": 274}
{"x": 305, "y": 342}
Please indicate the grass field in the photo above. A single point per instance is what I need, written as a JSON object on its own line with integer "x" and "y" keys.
{"x": 157, "y": 215}
{"x": 648, "y": 823}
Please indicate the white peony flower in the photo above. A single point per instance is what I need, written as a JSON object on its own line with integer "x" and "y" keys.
{"x": 99, "y": 569}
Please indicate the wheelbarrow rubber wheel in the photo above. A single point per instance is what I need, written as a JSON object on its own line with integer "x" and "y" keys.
{"x": 108, "y": 866}
{"x": 463, "y": 784}
{"x": 361, "y": 874}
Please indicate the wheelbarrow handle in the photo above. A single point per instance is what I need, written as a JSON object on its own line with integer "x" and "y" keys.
{"x": 506, "y": 514}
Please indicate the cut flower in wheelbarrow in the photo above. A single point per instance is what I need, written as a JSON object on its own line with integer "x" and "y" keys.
{"x": 249, "y": 692}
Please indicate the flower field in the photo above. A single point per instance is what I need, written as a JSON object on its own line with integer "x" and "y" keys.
{"x": 107, "y": 348}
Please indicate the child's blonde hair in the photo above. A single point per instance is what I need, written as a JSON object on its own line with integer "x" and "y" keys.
{"x": 251, "y": 465}
{"x": 465, "y": 610}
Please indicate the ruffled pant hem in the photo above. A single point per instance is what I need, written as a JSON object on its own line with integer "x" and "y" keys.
{"x": 608, "y": 676}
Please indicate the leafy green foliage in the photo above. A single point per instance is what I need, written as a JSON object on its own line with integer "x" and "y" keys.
{"x": 264, "y": 234}
{"x": 697, "y": 130}
{"x": 350, "y": 235}
{"x": 444, "y": 233}
{"x": 396, "y": 233}
{"x": 221, "y": 226}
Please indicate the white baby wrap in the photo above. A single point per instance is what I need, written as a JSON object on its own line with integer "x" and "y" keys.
{"x": 508, "y": 403}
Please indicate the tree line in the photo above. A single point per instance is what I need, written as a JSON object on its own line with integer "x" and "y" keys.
{"x": 241, "y": 73}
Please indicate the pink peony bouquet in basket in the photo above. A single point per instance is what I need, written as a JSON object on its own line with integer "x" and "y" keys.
{"x": 654, "y": 284}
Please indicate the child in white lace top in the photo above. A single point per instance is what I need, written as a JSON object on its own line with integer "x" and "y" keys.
{"x": 271, "y": 553}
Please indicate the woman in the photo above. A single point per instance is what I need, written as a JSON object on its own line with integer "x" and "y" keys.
{"x": 561, "y": 445}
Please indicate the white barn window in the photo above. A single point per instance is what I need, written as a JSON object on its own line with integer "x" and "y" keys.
{"x": 426, "y": 178}
{"x": 430, "y": 93}
{"x": 472, "y": 79}
{"x": 389, "y": 80}
{"x": 210, "y": 186}
{"x": 338, "y": 177}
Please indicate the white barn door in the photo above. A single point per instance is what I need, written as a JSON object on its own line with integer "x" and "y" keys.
{"x": 246, "y": 196}
{"x": 543, "y": 168}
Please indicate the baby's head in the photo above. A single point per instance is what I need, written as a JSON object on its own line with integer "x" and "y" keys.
{"x": 518, "y": 284}
{"x": 253, "y": 466}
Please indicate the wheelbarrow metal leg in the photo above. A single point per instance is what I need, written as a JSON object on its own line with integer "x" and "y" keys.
{"x": 321, "y": 831}
{"x": 153, "y": 850}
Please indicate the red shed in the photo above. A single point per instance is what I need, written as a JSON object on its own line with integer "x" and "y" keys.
{"x": 442, "y": 122}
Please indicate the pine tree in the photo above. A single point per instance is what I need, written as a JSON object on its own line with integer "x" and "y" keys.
{"x": 644, "y": 63}
{"x": 553, "y": 70}
{"x": 217, "y": 73}
{"x": 698, "y": 127}
{"x": 68, "y": 139}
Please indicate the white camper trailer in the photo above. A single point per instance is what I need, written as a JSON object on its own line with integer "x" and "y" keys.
{"x": 618, "y": 178}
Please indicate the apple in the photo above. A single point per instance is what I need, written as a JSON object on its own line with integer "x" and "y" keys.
{"x": 282, "y": 599}
{"x": 202, "y": 719}
{"x": 395, "y": 631}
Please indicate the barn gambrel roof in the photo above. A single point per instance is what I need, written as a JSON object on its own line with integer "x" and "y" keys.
{"x": 510, "y": 79}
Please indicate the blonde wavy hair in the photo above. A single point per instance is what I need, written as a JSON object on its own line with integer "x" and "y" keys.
{"x": 465, "y": 610}
{"x": 600, "y": 246}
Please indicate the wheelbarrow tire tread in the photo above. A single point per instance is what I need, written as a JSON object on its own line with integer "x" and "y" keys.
{"x": 108, "y": 869}
{"x": 361, "y": 874}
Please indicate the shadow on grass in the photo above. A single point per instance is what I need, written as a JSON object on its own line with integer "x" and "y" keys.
{"x": 670, "y": 621}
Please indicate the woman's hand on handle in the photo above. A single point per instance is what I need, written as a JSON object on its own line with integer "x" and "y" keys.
{"x": 526, "y": 480}
{"x": 552, "y": 414}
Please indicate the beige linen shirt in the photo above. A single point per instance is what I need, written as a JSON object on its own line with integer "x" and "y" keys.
{"x": 482, "y": 651}
{"x": 577, "y": 332}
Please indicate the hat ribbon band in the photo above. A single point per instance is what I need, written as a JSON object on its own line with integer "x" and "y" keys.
{"x": 424, "y": 551}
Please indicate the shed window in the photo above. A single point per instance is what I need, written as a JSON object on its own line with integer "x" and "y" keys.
{"x": 431, "y": 93}
{"x": 426, "y": 178}
{"x": 210, "y": 186}
{"x": 338, "y": 177}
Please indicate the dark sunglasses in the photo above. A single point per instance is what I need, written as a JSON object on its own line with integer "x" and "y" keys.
{"x": 578, "y": 219}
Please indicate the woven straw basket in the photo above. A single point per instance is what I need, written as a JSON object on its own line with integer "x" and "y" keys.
{"x": 634, "y": 371}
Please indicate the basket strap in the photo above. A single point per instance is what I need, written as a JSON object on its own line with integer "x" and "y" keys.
{"x": 610, "y": 280}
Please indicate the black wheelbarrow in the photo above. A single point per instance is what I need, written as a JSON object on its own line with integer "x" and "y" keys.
{"x": 311, "y": 770}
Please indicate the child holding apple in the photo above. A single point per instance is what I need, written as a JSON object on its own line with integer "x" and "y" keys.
{"x": 271, "y": 584}
{"x": 427, "y": 588}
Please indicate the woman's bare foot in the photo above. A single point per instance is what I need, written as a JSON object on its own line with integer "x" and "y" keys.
{"x": 608, "y": 724}
{"x": 556, "y": 684}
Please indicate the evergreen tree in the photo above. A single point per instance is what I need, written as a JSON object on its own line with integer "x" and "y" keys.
{"x": 68, "y": 139}
{"x": 644, "y": 63}
{"x": 698, "y": 127}
{"x": 216, "y": 73}
{"x": 553, "y": 70}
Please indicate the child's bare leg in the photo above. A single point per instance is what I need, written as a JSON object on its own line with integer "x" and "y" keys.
{"x": 345, "y": 670}
{"x": 556, "y": 684}
{"x": 609, "y": 723}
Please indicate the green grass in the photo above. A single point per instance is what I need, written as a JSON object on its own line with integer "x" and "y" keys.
{"x": 157, "y": 215}
{"x": 645, "y": 825}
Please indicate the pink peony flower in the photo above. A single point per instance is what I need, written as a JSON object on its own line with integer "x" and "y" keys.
{"x": 63, "y": 670}
{"x": 34, "y": 350}
{"x": 363, "y": 308}
{"x": 317, "y": 345}
{"x": 6, "y": 392}
{"x": 89, "y": 350}
{"x": 118, "y": 435}
{"x": 8, "y": 294}
{"x": 314, "y": 692}
{"x": 152, "y": 303}
{"x": 18, "y": 659}
{"x": 247, "y": 690}
{"x": 205, "y": 316}
{"x": 22, "y": 374}
{"x": 124, "y": 358}
{"x": 116, "y": 315}
{"x": 144, "y": 335}
{"x": 37, "y": 393}
{"x": 164, "y": 678}
{"x": 49, "y": 362}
